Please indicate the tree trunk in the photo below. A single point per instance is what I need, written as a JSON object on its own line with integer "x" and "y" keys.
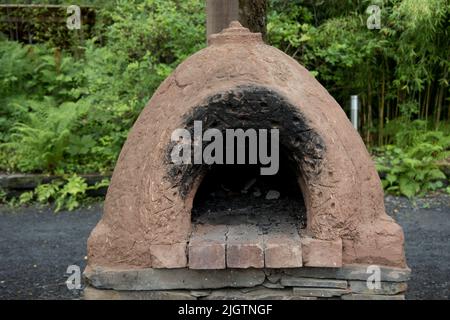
{"x": 250, "y": 13}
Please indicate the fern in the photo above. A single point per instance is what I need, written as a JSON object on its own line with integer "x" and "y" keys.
{"x": 41, "y": 142}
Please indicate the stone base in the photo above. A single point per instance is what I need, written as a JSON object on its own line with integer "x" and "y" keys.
{"x": 307, "y": 283}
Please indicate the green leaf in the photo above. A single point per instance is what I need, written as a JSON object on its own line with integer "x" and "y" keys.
{"x": 408, "y": 187}
{"x": 435, "y": 174}
{"x": 26, "y": 197}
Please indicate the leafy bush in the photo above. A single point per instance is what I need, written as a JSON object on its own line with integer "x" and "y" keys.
{"x": 145, "y": 41}
{"x": 65, "y": 115}
{"x": 405, "y": 63}
{"x": 67, "y": 193}
{"x": 42, "y": 142}
{"x": 412, "y": 165}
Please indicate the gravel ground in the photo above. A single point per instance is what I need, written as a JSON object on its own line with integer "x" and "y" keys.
{"x": 37, "y": 246}
{"x": 426, "y": 224}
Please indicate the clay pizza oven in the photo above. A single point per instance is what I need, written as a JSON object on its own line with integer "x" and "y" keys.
{"x": 172, "y": 224}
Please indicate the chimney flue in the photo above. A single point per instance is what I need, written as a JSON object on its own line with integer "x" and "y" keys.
{"x": 219, "y": 14}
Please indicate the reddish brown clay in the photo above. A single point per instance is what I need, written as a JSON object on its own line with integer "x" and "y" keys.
{"x": 144, "y": 210}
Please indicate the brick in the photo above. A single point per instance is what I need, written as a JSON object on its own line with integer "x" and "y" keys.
{"x": 322, "y": 253}
{"x": 207, "y": 255}
{"x": 282, "y": 248}
{"x": 245, "y": 248}
{"x": 207, "y": 247}
{"x": 249, "y": 255}
{"x": 168, "y": 255}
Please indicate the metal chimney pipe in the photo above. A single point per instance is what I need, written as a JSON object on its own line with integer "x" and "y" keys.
{"x": 219, "y": 14}
{"x": 354, "y": 111}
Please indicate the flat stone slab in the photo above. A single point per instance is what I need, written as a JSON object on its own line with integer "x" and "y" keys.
{"x": 257, "y": 294}
{"x": 360, "y": 272}
{"x": 313, "y": 279}
{"x": 351, "y": 272}
{"x": 386, "y": 288}
{"x": 271, "y": 285}
{"x": 91, "y": 293}
{"x": 288, "y": 281}
{"x": 320, "y": 292}
{"x": 354, "y": 296}
{"x": 169, "y": 279}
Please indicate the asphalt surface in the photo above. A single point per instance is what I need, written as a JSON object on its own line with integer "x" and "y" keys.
{"x": 37, "y": 246}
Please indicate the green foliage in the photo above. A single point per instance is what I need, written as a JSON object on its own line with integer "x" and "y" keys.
{"x": 144, "y": 43}
{"x": 68, "y": 111}
{"x": 29, "y": 75}
{"x": 26, "y": 197}
{"x": 44, "y": 140}
{"x": 38, "y": 24}
{"x": 411, "y": 166}
{"x": 68, "y": 194}
{"x": 71, "y": 193}
{"x": 288, "y": 35}
{"x": 61, "y": 114}
{"x": 3, "y": 195}
{"x": 404, "y": 64}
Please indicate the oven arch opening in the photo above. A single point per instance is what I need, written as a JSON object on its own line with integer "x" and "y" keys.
{"x": 239, "y": 194}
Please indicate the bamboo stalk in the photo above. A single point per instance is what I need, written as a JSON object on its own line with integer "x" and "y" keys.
{"x": 427, "y": 103}
{"x": 369, "y": 111}
{"x": 381, "y": 112}
{"x": 439, "y": 106}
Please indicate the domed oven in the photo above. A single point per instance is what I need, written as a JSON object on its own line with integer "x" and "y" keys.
{"x": 293, "y": 209}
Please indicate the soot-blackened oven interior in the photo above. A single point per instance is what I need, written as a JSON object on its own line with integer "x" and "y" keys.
{"x": 239, "y": 205}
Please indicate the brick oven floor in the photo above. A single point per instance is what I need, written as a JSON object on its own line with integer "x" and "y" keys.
{"x": 37, "y": 246}
{"x": 258, "y": 231}
{"x": 262, "y": 214}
